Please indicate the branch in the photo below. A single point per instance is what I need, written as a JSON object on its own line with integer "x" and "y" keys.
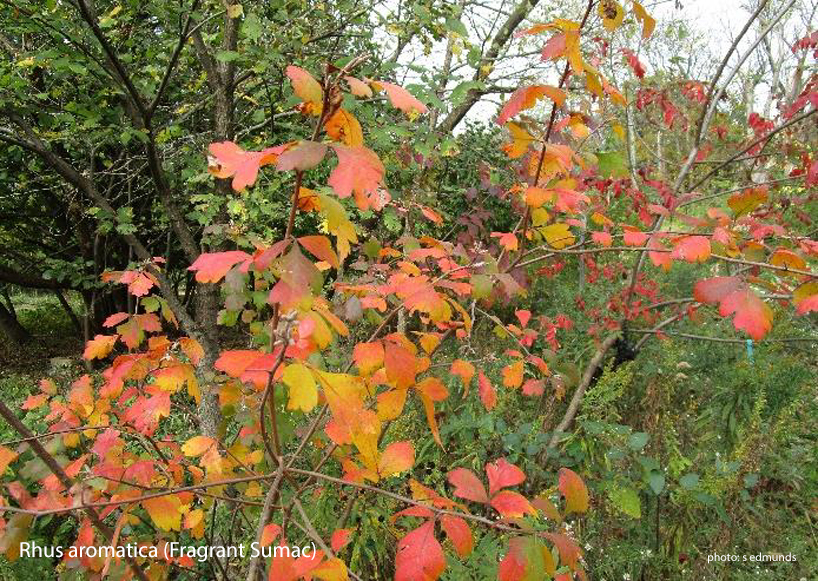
{"x": 65, "y": 480}
{"x": 587, "y": 378}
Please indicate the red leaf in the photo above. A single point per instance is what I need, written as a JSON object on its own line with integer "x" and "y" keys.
{"x": 467, "y": 485}
{"x": 734, "y": 296}
{"x": 212, "y": 266}
{"x": 602, "y": 238}
{"x": 401, "y": 98}
{"x": 459, "y": 534}
{"x": 574, "y": 490}
{"x": 360, "y": 172}
{"x": 752, "y": 314}
{"x": 502, "y": 474}
{"x": 486, "y": 391}
{"x": 511, "y": 504}
{"x": 554, "y": 48}
{"x": 420, "y": 557}
{"x": 523, "y": 316}
{"x": 115, "y": 319}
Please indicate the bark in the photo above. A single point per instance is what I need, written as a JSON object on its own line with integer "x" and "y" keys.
{"x": 12, "y": 328}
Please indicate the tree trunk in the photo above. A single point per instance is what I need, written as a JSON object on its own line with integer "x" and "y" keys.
{"x": 12, "y": 328}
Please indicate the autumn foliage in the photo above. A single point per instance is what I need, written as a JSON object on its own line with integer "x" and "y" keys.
{"x": 125, "y": 467}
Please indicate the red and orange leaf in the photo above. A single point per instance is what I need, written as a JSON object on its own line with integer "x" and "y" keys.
{"x": 573, "y": 489}
{"x": 526, "y": 97}
{"x": 486, "y": 391}
{"x": 467, "y": 485}
{"x": 511, "y": 504}
{"x": 321, "y": 248}
{"x": 231, "y": 160}
{"x": 401, "y": 98}
{"x": 805, "y": 298}
{"x": 420, "y": 556}
{"x": 340, "y": 539}
{"x": 359, "y": 171}
{"x": 305, "y": 86}
{"x": 734, "y": 297}
{"x": 459, "y": 534}
{"x": 502, "y": 474}
{"x": 398, "y": 457}
{"x": 507, "y": 240}
{"x": 751, "y": 313}
{"x": 212, "y": 266}
{"x": 692, "y": 249}
{"x": 302, "y": 156}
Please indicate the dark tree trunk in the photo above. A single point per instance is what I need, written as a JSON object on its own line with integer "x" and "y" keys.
{"x": 12, "y": 328}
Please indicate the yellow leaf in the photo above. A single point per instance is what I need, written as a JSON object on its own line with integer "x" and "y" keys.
{"x": 648, "y": 22}
{"x": 301, "y": 383}
{"x": 557, "y": 235}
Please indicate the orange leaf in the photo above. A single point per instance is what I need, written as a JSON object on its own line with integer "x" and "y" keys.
{"x": 368, "y": 357}
{"x": 513, "y": 374}
{"x": 602, "y": 238}
{"x": 344, "y": 127}
{"x": 269, "y": 534}
{"x": 99, "y": 347}
{"x": 507, "y": 240}
{"x": 734, "y": 296}
{"x": 465, "y": 371}
{"x": 197, "y": 446}
{"x": 6, "y": 457}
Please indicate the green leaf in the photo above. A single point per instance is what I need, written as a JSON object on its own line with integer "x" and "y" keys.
{"x": 656, "y": 480}
{"x": 612, "y": 164}
{"x": 454, "y": 25}
{"x": 689, "y": 481}
{"x": 227, "y": 56}
{"x": 638, "y": 440}
{"x": 627, "y": 500}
